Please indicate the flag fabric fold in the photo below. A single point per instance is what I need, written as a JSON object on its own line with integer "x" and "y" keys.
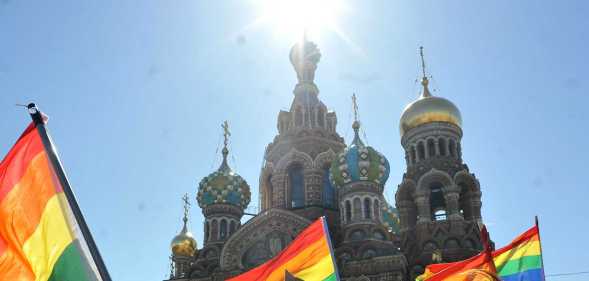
{"x": 39, "y": 237}
{"x": 521, "y": 260}
{"x": 309, "y": 257}
{"x": 477, "y": 268}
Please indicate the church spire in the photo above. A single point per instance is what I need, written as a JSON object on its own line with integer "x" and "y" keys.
{"x": 356, "y": 125}
{"x": 225, "y": 151}
{"x": 424, "y": 80}
{"x": 186, "y": 210}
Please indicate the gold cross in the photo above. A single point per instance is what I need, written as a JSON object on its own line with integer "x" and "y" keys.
{"x": 186, "y": 204}
{"x": 226, "y": 133}
{"x": 422, "y": 60}
{"x": 355, "y": 104}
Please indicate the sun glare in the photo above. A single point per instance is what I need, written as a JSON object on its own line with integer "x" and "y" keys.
{"x": 292, "y": 18}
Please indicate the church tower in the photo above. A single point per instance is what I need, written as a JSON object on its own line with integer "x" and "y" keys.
{"x": 223, "y": 196}
{"x": 439, "y": 200}
{"x": 295, "y": 174}
{"x": 367, "y": 245}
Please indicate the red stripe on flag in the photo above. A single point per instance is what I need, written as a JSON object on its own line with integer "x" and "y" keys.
{"x": 15, "y": 164}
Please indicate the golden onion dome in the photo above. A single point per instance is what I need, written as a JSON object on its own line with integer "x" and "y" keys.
{"x": 183, "y": 244}
{"x": 428, "y": 109}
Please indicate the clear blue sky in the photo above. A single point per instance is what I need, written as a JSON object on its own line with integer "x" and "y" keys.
{"x": 137, "y": 90}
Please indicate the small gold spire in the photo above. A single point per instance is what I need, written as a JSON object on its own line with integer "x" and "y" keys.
{"x": 356, "y": 124}
{"x": 186, "y": 201}
{"x": 424, "y": 80}
{"x": 225, "y": 151}
{"x": 226, "y": 133}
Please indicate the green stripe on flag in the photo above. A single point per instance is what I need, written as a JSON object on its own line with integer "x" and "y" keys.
{"x": 331, "y": 277}
{"x": 71, "y": 265}
{"x": 520, "y": 265}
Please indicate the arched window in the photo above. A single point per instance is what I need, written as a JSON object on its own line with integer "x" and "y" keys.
{"x": 232, "y": 227}
{"x": 431, "y": 148}
{"x": 214, "y": 230}
{"x": 357, "y": 208}
{"x": 298, "y": 116}
{"x": 206, "y": 231}
{"x": 367, "y": 208}
{"x": 420, "y": 151}
{"x": 297, "y": 186}
{"x": 328, "y": 190}
{"x": 452, "y": 148}
{"x": 223, "y": 231}
{"x": 376, "y": 209}
{"x": 413, "y": 155}
{"x": 348, "y": 211}
{"x": 437, "y": 202}
{"x": 442, "y": 146}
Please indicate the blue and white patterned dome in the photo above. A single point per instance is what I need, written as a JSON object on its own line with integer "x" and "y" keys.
{"x": 223, "y": 187}
{"x": 359, "y": 162}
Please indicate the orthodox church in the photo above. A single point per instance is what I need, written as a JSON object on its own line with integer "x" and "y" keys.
{"x": 309, "y": 171}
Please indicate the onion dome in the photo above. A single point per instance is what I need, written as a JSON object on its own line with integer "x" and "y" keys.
{"x": 223, "y": 186}
{"x": 390, "y": 218}
{"x": 359, "y": 162}
{"x": 304, "y": 57}
{"x": 428, "y": 109}
{"x": 184, "y": 243}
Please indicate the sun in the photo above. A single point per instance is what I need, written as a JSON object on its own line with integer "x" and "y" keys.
{"x": 293, "y": 18}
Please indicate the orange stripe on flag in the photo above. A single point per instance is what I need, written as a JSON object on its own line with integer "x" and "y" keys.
{"x": 23, "y": 206}
{"x": 308, "y": 257}
{"x": 308, "y": 250}
{"x": 13, "y": 266}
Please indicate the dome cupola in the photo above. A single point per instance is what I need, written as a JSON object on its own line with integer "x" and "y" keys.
{"x": 184, "y": 243}
{"x": 427, "y": 109}
{"x": 359, "y": 162}
{"x": 224, "y": 186}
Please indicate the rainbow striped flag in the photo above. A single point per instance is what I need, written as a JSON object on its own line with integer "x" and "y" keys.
{"x": 39, "y": 237}
{"x": 521, "y": 260}
{"x": 309, "y": 257}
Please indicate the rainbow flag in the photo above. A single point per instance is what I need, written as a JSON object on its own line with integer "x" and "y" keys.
{"x": 478, "y": 268}
{"x": 309, "y": 257}
{"x": 521, "y": 260}
{"x": 39, "y": 237}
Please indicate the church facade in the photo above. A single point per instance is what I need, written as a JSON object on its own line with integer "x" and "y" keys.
{"x": 310, "y": 171}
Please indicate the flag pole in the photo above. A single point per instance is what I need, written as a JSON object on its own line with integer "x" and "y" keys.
{"x": 67, "y": 190}
{"x": 540, "y": 243}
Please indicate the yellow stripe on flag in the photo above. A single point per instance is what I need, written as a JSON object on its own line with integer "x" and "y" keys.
{"x": 311, "y": 255}
{"x": 319, "y": 271}
{"x": 531, "y": 248}
{"x": 49, "y": 240}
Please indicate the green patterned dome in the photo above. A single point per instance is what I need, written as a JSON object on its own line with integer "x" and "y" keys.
{"x": 359, "y": 163}
{"x": 223, "y": 187}
{"x": 390, "y": 218}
